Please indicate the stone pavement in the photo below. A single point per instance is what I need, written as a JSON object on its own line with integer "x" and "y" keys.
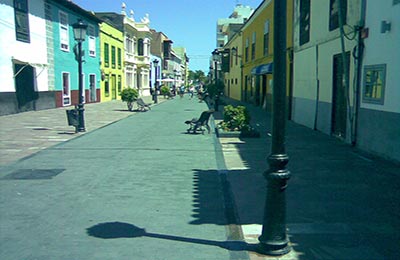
{"x": 140, "y": 188}
{"x": 26, "y": 133}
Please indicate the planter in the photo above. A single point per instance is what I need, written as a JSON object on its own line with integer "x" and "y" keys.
{"x": 236, "y": 134}
{"x": 226, "y": 134}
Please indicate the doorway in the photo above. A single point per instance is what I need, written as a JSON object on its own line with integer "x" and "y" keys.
{"x": 25, "y": 87}
{"x": 113, "y": 87}
{"x": 339, "y": 104}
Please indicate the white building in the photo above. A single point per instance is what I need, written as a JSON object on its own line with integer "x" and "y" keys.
{"x": 346, "y": 81}
{"x": 23, "y": 51}
{"x": 227, "y": 27}
{"x": 379, "y": 112}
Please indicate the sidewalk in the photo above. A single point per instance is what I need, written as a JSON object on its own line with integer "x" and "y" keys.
{"x": 341, "y": 203}
{"x": 26, "y": 133}
{"x": 140, "y": 188}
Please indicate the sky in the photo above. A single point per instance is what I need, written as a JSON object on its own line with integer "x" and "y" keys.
{"x": 188, "y": 23}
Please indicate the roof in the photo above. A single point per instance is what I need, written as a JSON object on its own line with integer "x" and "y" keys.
{"x": 76, "y": 8}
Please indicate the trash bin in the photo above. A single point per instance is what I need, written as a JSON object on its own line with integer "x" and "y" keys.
{"x": 72, "y": 116}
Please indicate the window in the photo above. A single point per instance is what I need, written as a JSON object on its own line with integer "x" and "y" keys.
{"x": 119, "y": 84}
{"x": 140, "y": 47}
{"x": 66, "y": 89}
{"x": 119, "y": 57}
{"x": 21, "y": 20}
{"x": 266, "y": 37}
{"x": 237, "y": 55}
{"x": 253, "y": 46}
{"x": 374, "y": 84}
{"x": 64, "y": 31}
{"x": 334, "y": 13}
{"x": 129, "y": 44}
{"x": 113, "y": 57}
{"x": 304, "y": 21}
{"x": 246, "y": 51}
{"x": 106, "y": 55}
{"x": 92, "y": 41}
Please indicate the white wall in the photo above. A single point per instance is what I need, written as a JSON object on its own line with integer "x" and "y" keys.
{"x": 384, "y": 49}
{"x": 34, "y": 52}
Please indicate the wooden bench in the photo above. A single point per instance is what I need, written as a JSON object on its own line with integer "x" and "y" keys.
{"x": 142, "y": 106}
{"x": 198, "y": 124}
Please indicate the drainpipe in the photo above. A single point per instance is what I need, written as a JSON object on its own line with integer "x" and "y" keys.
{"x": 358, "y": 56}
{"x": 317, "y": 94}
{"x": 345, "y": 62}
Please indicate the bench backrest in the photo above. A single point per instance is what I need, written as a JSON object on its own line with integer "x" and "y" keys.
{"x": 141, "y": 102}
{"x": 204, "y": 117}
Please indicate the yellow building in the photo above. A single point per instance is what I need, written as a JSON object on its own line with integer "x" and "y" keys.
{"x": 233, "y": 78}
{"x": 112, "y": 60}
{"x": 257, "y": 55}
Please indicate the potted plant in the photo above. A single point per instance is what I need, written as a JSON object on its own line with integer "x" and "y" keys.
{"x": 129, "y": 95}
{"x": 236, "y": 122}
{"x": 164, "y": 91}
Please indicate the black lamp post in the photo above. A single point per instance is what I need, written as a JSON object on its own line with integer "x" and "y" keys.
{"x": 274, "y": 239}
{"x": 155, "y": 65}
{"x": 216, "y": 57}
{"x": 80, "y": 35}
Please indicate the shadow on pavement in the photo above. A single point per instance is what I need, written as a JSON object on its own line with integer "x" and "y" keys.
{"x": 340, "y": 201}
{"x": 115, "y": 230}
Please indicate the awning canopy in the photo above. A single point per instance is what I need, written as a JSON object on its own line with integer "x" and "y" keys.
{"x": 263, "y": 69}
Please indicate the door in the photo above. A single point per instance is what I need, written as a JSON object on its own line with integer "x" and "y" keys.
{"x": 92, "y": 88}
{"x": 25, "y": 86}
{"x": 339, "y": 104}
{"x": 113, "y": 87}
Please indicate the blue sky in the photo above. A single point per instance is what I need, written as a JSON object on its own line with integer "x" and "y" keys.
{"x": 188, "y": 23}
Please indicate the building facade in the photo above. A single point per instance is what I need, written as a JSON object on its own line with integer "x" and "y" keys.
{"x": 378, "y": 117}
{"x": 112, "y": 60}
{"x": 226, "y": 27}
{"x": 47, "y": 77}
{"x": 233, "y": 78}
{"x": 257, "y": 55}
{"x": 24, "y": 73}
{"x": 137, "y": 44}
{"x": 62, "y": 48}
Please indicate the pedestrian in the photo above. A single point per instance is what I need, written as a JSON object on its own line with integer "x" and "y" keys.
{"x": 191, "y": 91}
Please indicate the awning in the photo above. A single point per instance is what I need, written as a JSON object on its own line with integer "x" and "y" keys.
{"x": 263, "y": 69}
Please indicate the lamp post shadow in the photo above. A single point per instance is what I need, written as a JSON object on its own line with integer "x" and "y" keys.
{"x": 115, "y": 230}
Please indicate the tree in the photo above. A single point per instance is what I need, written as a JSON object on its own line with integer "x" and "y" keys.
{"x": 197, "y": 76}
{"x": 129, "y": 95}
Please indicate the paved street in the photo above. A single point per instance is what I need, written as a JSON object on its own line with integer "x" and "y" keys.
{"x": 136, "y": 186}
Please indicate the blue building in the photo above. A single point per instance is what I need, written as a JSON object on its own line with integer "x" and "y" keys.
{"x": 62, "y": 46}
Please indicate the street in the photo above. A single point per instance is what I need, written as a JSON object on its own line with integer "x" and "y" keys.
{"x": 142, "y": 188}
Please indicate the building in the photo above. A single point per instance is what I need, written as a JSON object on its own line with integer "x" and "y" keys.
{"x": 137, "y": 39}
{"x": 233, "y": 76}
{"x": 161, "y": 46}
{"x": 24, "y": 73}
{"x": 378, "y": 115}
{"x": 48, "y": 76}
{"x": 227, "y": 27}
{"x": 62, "y": 51}
{"x": 257, "y": 55}
{"x": 112, "y": 60}
{"x": 184, "y": 65}
{"x": 345, "y": 72}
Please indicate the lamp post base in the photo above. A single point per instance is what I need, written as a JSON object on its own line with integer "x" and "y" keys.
{"x": 81, "y": 119}
{"x": 274, "y": 248}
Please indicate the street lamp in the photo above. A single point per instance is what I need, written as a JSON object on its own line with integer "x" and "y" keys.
{"x": 216, "y": 57}
{"x": 80, "y": 35}
{"x": 274, "y": 239}
{"x": 155, "y": 63}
